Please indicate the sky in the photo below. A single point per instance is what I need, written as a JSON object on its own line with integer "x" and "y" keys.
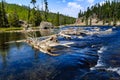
{"x": 66, "y": 7}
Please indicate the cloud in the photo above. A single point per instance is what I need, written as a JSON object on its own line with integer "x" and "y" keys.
{"x": 72, "y": 9}
{"x": 91, "y": 1}
{"x": 70, "y": 12}
{"x": 74, "y": 5}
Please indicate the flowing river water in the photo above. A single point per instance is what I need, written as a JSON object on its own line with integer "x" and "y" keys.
{"x": 92, "y": 57}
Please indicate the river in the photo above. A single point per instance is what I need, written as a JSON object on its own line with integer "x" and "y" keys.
{"x": 93, "y": 57}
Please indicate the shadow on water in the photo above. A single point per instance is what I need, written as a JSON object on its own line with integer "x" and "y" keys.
{"x": 19, "y": 61}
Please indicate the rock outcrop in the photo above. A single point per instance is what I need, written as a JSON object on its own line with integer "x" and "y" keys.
{"x": 46, "y": 25}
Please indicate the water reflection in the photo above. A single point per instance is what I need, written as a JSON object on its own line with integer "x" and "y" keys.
{"x": 5, "y": 47}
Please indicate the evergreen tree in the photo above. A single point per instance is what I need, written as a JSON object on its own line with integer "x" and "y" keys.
{"x": 33, "y": 2}
{"x": 80, "y": 14}
{"x": 65, "y": 21}
{"x": 57, "y": 19}
{"x": 4, "y": 19}
{"x": 107, "y": 12}
{"x": 1, "y": 21}
{"x": 32, "y": 18}
{"x": 87, "y": 16}
{"x": 28, "y": 14}
{"x": 14, "y": 19}
{"x": 35, "y": 17}
{"x": 38, "y": 18}
{"x": 46, "y": 10}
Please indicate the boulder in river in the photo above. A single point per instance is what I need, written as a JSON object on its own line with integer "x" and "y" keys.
{"x": 46, "y": 25}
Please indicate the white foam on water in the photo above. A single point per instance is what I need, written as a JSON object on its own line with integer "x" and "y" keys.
{"x": 117, "y": 69}
{"x": 113, "y": 27}
{"x": 99, "y": 62}
{"x": 102, "y": 49}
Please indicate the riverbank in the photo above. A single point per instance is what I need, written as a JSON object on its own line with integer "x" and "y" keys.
{"x": 15, "y": 29}
{"x": 95, "y": 22}
{"x": 79, "y": 25}
{"x": 11, "y": 29}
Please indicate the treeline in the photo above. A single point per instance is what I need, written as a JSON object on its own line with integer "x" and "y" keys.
{"x": 3, "y": 16}
{"x": 11, "y": 14}
{"x": 107, "y": 12}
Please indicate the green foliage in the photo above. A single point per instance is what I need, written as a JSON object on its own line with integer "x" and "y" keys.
{"x": 56, "y": 21}
{"x": 109, "y": 11}
{"x": 1, "y": 21}
{"x": 10, "y": 29}
{"x": 14, "y": 19}
{"x": 26, "y": 14}
{"x": 80, "y": 14}
{"x": 22, "y": 11}
{"x": 46, "y": 10}
{"x": 33, "y": 2}
{"x": 35, "y": 17}
{"x": 3, "y": 16}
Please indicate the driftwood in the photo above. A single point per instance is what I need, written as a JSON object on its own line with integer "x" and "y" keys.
{"x": 43, "y": 45}
{"x": 48, "y": 45}
{"x": 51, "y": 44}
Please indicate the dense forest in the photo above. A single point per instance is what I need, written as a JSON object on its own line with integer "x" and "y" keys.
{"x": 107, "y": 12}
{"x": 11, "y": 14}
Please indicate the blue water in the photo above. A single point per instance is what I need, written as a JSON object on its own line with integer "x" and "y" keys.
{"x": 93, "y": 57}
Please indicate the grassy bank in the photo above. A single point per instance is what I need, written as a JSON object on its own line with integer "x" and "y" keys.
{"x": 10, "y": 29}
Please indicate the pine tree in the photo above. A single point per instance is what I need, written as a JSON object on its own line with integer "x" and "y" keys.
{"x": 80, "y": 14}
{"x": 4, "y": 16}
{"x": 33, "y": 2}
{"x": 14, "y": 19}
{"x": 32, "y": 20}
{"x": 1, "y": 21}
{"x": 28, "y": 14}
{"x": 35, "y": 17}
{"x": 107, "y": 12}
{"x": 87, "y": 16}
{"x": 65, "y": 20}
{"x": 57, "y": 19}
{"x": 46, "y": 10}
